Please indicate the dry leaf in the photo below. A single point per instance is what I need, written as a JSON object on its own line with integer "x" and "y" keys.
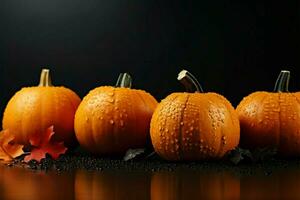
{"x": 8, "y": 148}
{"x": 44, "y": 145}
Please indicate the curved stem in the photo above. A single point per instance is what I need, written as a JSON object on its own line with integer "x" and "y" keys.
{"x": 45, "y": 79}
{"x": 124, "y": 80}
{"x": 189, "y": 81}
{"x": 282, "y": 82}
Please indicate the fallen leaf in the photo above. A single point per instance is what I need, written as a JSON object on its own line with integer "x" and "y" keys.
{"x": 239, "y": 154}
{"x": 43, "y": 145}
{"x": 261, "y": 154}
{"x": 133, "y": 153}
{"x": 8, "y": 148}
{"x": 257, "y": 155}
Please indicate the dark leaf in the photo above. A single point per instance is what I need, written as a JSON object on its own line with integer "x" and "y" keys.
{"x": 262, "y": 154}
{"x": 239, "y": 154}
{"x": 133, "y": 153}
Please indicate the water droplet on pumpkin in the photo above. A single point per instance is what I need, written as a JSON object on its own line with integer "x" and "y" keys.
{"x": 181, "y": 123}
{"x": 111, "y": 121}
{"x": 191, "y": 128}
{"x": 121, "y": 123}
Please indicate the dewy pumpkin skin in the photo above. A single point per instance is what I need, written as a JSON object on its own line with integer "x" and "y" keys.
{"x": 111, "y": 120}
{"x": 271, "y": 119}
{"x": 34, "y": 109}
{"x": 194, "y": 125}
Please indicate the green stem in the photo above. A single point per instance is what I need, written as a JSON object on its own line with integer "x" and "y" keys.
{"x": 45, "y": 79}
{"x": 282, "y": 82}
{"x": 124, "y": 80}
{"x": 189, "y": 81}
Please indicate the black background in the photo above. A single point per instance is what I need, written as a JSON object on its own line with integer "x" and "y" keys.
{"x": 234, "y": 48}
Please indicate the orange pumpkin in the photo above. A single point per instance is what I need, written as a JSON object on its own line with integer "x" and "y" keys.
{"x": 272, "y": 119}
{"x": 33, "y": 109}
{"x": 194, "y": 125}
{"x": 110, "y": 120}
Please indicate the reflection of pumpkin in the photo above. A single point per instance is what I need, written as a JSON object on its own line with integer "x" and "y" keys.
{"x": 33, "y": 109}
{"x": 111, "y": 185}
{"x": 19, "y": 183}
{"x": 289, "y": 183}
{"x": 272, "y": 119}
{"x": 110, "y": 120}
{"x": 283, "y": 184}
{"x": 184, "y": 185}
{"x": 194, "y": 126}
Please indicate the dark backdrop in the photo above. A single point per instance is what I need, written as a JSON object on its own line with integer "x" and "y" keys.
{"x": 234, "y": 48}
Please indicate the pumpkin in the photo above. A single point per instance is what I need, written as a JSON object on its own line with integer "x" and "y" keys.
{"x": 194, "y": 125}
{"x": 111, "y": 185}
{"x": 33, "y": 109}
{"x": 272, "y": 119}
{"x": 195, "y": 185}
{"x": 110, "y": 120}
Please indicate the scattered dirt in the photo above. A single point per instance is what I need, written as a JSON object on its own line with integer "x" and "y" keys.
{"x": 83, "y": 160}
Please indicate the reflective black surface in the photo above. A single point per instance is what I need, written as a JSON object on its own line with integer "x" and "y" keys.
{"x": 18, "y": 183}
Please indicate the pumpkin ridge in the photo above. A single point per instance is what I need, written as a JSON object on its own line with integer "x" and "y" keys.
{"x": 279, "y": 119}
{"x": 180, "y": 151}
{"x": 22, "y": 123}
{"x": 67, "y": 96}
{"x": 42, "y": 110}
{"x": 165, "y": 122}
{"x": 262, "y": 103}
{"x": 92, "y": 128}
{"x": 222, "y": 131}
{"x": 114, "y": 138}
{"x": 138, "y": 93}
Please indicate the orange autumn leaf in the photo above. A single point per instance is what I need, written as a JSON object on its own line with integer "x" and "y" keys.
{"x": 8, "y": 148}
{"x": 44, "y": 145}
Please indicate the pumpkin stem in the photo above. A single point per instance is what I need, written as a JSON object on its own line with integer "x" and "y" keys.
{"x": 45, "y": 79}
{"x": 282, "y": 82}
{"x": 124, "y": 80}
{"x": 189, "y": 81}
